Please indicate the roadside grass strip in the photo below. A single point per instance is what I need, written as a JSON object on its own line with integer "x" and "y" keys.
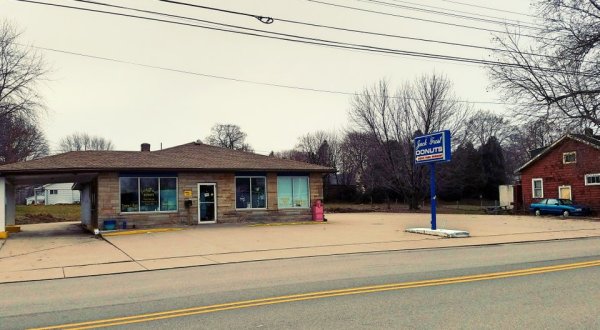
{"x": 288, "y": 223}
{"x": 140, "y": 231}
{"x": 317, "y": 295}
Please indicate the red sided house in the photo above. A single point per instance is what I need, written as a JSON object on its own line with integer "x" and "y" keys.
{"x": 192, "y": 183}
{"x": 569, "y": 168}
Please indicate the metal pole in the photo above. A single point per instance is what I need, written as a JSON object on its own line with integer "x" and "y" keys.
{"x": 433, "y": 196}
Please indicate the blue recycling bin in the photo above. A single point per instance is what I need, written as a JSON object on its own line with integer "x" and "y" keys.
{"x": 109, "y": 224}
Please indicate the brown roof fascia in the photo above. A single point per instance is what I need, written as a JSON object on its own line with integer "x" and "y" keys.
{"x": 138, "y": 169}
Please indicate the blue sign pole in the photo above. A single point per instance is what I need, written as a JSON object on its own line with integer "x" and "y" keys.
{"x": 433, "y": 148}
{"x": 433, "y": 196}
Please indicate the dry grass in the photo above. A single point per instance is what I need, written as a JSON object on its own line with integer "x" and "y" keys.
{"x": 28, "y": 214}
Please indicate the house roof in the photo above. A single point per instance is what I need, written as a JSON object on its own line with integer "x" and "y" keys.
{"x": 593, "y": 141}
{"x": 187, "y": 157}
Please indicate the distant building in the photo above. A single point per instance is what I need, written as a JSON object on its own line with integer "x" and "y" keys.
{"x": 55, "y": 193}
{"x": 60, "y": 193}
{"x": 569, "y": 168}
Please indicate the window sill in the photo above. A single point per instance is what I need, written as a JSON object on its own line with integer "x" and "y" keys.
{"x": 252, "y": 209}
{"x": 149, "y": 212}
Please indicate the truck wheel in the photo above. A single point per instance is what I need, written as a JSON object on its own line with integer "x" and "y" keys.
{"x": 537, "y": 212}
{"x": 565, "y": 213}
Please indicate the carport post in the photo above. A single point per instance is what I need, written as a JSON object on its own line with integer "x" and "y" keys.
{"x": 2, "y": 206}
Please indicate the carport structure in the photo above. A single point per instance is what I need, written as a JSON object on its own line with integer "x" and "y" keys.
{"x": 84, "y": 180}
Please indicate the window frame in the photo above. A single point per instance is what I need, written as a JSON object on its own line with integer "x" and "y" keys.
{"x": 121, "y": 212}
{"x": 585, "y": 179}
{"x": 307, "y": 189}
{"x": 566, "y": 154}
{"x": 533, "y": 187}
{"x": 250, "y": 177}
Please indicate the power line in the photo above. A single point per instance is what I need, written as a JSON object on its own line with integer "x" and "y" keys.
{"x": 422, "y": 19}
{"x": 463, "y": 12}
{"x": 307, "y": 40}
{"x": 325, "y": 27}
{"x": 488, "y": 8}
{"x": 205, "y": 75}
{"x": 442, "y": 13}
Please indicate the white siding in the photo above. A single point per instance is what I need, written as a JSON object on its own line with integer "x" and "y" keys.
{"x": 506, "y": 195}
{"x": 64, "y": 194}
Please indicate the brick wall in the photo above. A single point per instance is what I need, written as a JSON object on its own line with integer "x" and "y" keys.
{"x": 109, "y": 207}
{"x": 554, "y": 173}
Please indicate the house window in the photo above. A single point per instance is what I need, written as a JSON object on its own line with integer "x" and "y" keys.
{"x": 569, "y": 157}
{"x": 592, "y": 179}
{"x": 537, "y": 188}
{"x": 250, "y": 192}
{"x": 292, "y": 192}
{"x": 53, "y": 192}
{"x": 148, "y": 194}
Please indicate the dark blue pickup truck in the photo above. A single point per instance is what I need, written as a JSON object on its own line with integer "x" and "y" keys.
{"x": 564, "y": 207}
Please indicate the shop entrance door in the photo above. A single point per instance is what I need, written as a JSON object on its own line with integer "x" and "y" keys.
{"x": 207, "y": 203}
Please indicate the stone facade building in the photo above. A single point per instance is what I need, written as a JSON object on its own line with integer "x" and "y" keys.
{"x": 189, "y": 184}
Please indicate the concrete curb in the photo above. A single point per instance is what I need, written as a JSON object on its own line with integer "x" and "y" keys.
{"x": 139, "y": 231}
{"x": 288, "y": 223}
{"x": 449, "y": 233}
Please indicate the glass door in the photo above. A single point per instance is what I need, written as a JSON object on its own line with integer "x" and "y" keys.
{"x": 207, "y": 203}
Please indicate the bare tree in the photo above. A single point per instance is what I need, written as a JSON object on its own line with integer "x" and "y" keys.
{"x": 84, "y": 141}
{"x": 360, "y": 161}
{"x": 21, "y": 69}
{"x": 423, "y": 106}
{"x": 320, "y": 147}
{"x": 20, "y": 140}
{"x": 556, "y": 77}
{"x": 483, "y": 125}
{"x": 527, "y": 138}
{"x": 228, "y": 136}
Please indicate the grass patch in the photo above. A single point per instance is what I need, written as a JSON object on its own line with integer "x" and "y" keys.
{"x": 28, "y": 214}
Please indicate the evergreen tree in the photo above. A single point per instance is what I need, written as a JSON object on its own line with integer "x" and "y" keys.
{"x": 492, "y": 168}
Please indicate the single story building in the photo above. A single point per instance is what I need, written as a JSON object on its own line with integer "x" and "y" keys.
{"x": 192, "y": 183}
{"x": 569, "y": 168}
{"x": 56, "y": 193}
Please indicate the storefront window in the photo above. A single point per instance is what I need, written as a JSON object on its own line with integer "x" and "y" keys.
{"x": 292, "y": 192}
{"x": 129, "y": 195}
{"x": 168, "y": 194}
{"x": 148, "y": 194}
{"x": 250, "y": 192}
{"x": 258, "y": 193}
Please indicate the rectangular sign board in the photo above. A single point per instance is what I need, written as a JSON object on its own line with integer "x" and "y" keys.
{"x": 434, "y": 147}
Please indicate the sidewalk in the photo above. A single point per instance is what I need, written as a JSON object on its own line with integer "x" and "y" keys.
{"x": 63, "y": 250}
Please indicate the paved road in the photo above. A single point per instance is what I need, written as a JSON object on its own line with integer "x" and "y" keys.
{"x": 546, "y": 298}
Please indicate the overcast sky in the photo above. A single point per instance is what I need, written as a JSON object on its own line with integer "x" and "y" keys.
{"x": 132, "y": 104}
